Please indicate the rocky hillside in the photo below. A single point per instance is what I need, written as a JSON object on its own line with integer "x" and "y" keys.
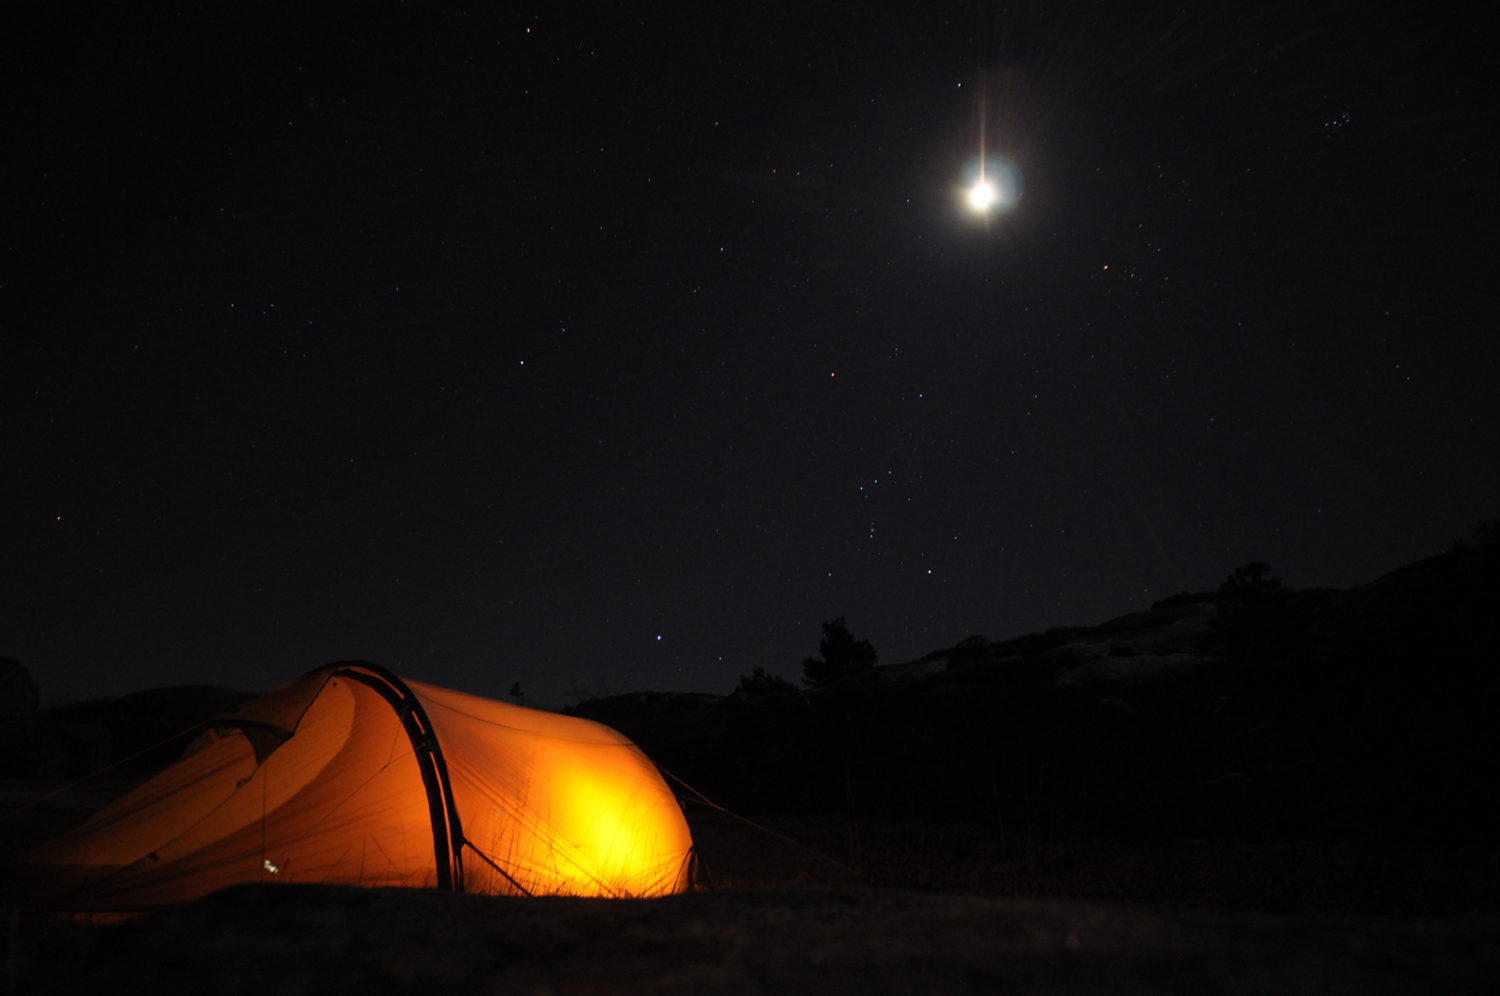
{"x": 1253, "y": 710}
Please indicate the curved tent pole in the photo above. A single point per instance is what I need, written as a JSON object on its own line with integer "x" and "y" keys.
{"x": 447, "y": 832}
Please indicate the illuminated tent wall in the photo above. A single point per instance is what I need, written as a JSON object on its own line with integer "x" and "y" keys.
{"x": 353, "y": 775}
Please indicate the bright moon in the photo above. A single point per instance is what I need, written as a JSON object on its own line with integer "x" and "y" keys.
{"x": 991, "y": 184}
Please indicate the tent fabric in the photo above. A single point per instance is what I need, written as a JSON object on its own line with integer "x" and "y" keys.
{"x": 352, "y": 775}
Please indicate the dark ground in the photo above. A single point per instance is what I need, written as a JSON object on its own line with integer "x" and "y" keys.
{"x": 847, "y": 908}
{"x": 793, "y": 938}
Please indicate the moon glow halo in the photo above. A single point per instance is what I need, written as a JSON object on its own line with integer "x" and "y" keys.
{"x": 993, "y": 184}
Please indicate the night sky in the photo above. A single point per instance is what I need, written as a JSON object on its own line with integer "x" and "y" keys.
{"x": 614, "y": 351}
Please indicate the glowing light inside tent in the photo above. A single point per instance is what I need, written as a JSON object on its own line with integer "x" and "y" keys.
{"x": 611, "y": 840}
{"x": 605, "y": 841}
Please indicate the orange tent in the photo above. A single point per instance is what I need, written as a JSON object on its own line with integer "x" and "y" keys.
{"x": 353, "y": 775}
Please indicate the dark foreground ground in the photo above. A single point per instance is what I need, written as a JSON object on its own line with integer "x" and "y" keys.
{"x": 844, "y": 908}
{"x": 294, "y": 939}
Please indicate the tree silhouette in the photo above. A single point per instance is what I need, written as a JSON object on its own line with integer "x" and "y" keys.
{"x": 1252, "y": 582}
{"x": 843, "y": 655}
{"x": 758, "y": 683}
{"x": 1484, "y": 533}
